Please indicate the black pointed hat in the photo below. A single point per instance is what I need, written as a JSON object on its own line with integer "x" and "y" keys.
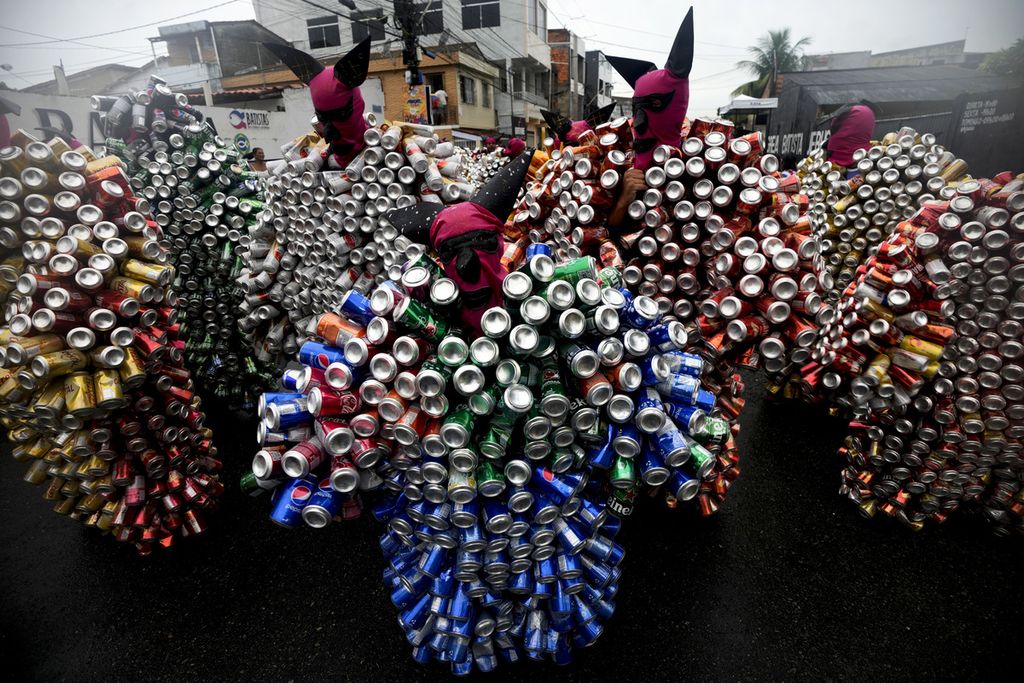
{"x": 558, "y": 124}
{"x": 498, "y": 195}
{"x": 680, "y": 57}
{"x": 599, "y": 116}
{"x": 303, "y": 65}
{"x": 414, "y": 221}
{"x": 353, "y": 67}
{"x": 631, "y": 69}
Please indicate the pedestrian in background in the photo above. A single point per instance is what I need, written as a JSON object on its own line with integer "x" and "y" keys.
{"x": 851, "y": 129}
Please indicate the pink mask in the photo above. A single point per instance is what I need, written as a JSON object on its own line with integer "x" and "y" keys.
{"x": 335, "y": 93}
{"x": 467, "y": 238}
{"x": 660, "y": 96}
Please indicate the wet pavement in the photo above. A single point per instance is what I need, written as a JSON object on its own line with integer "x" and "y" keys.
{"x": 787, "y": 582}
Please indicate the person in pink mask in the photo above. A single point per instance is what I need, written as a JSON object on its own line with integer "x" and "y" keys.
{"x": 660, "y": 100}
{"x": 336, "y": 98}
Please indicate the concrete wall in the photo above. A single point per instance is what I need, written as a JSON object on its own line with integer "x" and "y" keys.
{"x": 74, "y": 115}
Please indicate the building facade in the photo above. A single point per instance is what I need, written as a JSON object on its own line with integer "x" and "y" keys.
{"x": 597, "y": 85}
{"x": 511, "y": 35}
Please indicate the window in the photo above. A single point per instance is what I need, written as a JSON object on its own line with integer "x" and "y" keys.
{"x": 485, "y": 95}
{"x": 323, "y": 32}
{"x": 540, "y": 83}
{"x": 368, "y": 23}
{"x": 435, "y": 81}
{"x": 467, "y": 90}
{"x": 537, "y": 18}
{"x": 504, "y": 81}
{"x": 480, "y": 13}
{"x": 433, "y": 16}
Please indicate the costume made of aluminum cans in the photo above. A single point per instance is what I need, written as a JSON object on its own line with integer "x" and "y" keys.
{"x": 93, "y": 390}
{"x": 660, "y": 96}
{"x": 468, "y": 238}
{"x": 336, "y": 97}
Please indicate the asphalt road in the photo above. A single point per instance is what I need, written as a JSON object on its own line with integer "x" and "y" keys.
{"x": 787, "y": 582}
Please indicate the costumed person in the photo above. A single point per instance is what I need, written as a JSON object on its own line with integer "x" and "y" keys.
{"x": 336, "y": 98}
{"x": 660, "y": 100}
{"x": 566, "y": 131}
{"x": 467, "y": 238}
{"x": 514, "y": 147}
{"x": 851, "y": 129}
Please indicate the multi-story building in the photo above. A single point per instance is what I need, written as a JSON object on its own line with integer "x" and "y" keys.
{"x": 510, "y": 35}
{"x": 568, "y": 73}
{"x": 201, "y": 55}
{"x": 597, "y": 86}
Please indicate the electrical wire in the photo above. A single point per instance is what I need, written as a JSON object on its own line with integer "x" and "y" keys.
{"x": 120, "y": 30}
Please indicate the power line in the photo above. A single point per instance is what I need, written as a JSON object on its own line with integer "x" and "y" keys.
{"x": 76, "y": 42}
{"x": 108, "y": 33}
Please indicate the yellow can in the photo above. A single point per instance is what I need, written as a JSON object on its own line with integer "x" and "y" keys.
{"x": 131, "y": 287}
{"x": 930, "y": 350}
{"x": 58, "y": 363}
{"x": 80, "y": 394}
{"x": 147, "y": 271}
{"x": 109, "y": 394}
{"x": 132, "y": 371}
{"x": 50, "y": 401}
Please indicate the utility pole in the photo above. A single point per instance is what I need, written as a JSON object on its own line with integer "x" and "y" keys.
{"x": 408, "y": 23}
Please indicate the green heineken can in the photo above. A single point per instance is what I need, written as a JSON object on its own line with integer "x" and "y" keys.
{"x": 623, "y": 473}
{"x": 574, "y": 270}
{"x": 621, "y": 501}
{"x": 416, "y": 316}
{"x": 713, "y": 430}
{"x": 494, "y": 442}
{"x": 490, "y": 479}
{"x": 610, "y": 277}
{"x": 457, "y": 427}
{"x": 250, "y": 485}
{"x": 483, "y": 402}
{"x": 702, "y": 461}
{"x": 424, "y": 261}
{"x": 561, "y": 459}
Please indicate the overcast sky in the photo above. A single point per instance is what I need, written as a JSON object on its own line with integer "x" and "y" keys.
{"x": 644, "y": 30}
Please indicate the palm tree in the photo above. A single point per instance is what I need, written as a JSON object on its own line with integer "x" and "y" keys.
{"x": 774, "y": 53}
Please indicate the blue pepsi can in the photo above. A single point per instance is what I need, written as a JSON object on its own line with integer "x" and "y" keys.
{"x": 650, "y": 413}
{"x": 272, "y": 397}
{"x": 683, "y": 486}
{"x": 705, "y": 400}
{"x": 283, "y": 415}
{"x": 290, "y": 379}
{"x": 680, "y": 388}
{"x": 356, "y": 307}
{"x": 654, "y": 370}
{"x": 558, "y": 488}
{"x": 684, "y": 363}
{"x": 291, "y": 499}
{"x": 536, "y": 248}
{"x": 672, "y": 445}
{"x": 667, "y": 336}
{"x": 627, "y": 295}
{"x": 323, "y": 505}
{"x": 318, "y": 355}
{"x": 641, "y": 313}
{"x": 627, "y": 440}
{"x": 690, "y": 418}
{"x": 652, "y": 468}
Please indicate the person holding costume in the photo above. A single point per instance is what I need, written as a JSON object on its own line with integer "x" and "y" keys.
{"x": 660, "y": 100}
{"x": 467, "y": 238}
{"x": 336, "y": 98}
{"x": 565, "y": 131}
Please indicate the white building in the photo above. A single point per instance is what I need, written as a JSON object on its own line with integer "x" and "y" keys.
{"x": 512, "y": 34}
